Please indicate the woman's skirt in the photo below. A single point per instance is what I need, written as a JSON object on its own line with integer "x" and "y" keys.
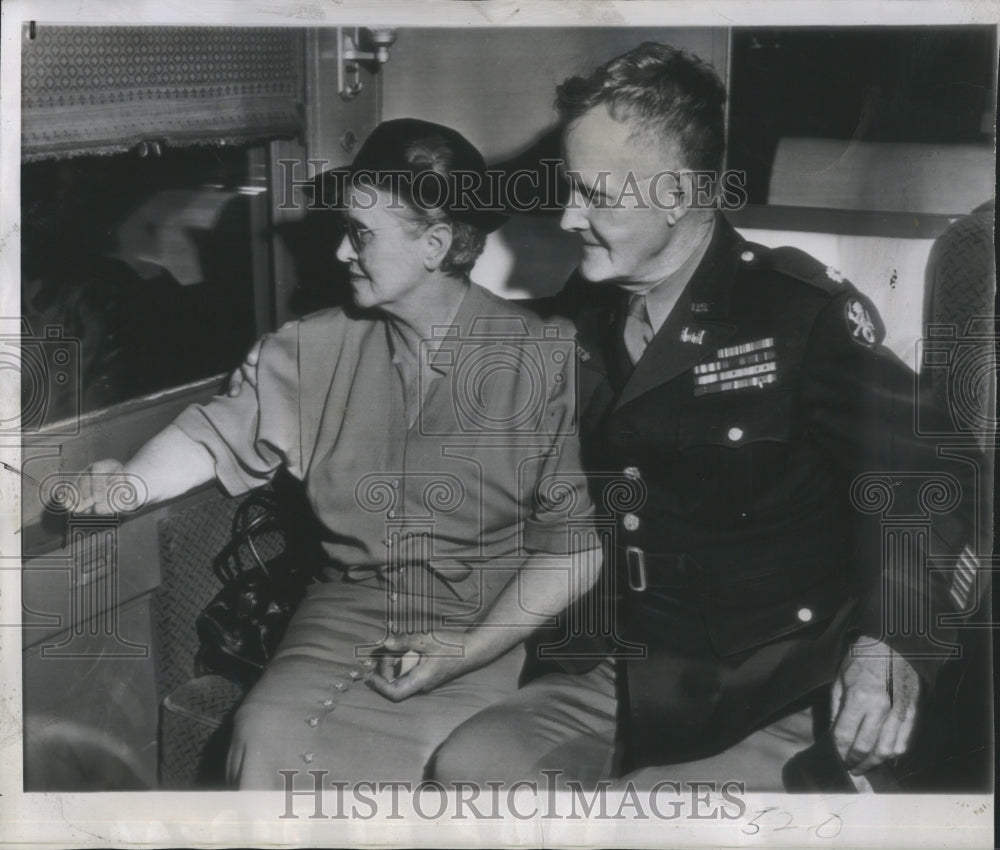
{"x": 313, "y": 711}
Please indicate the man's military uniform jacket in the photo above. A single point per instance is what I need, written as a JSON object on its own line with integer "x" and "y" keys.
{"x": 739, "y": 462}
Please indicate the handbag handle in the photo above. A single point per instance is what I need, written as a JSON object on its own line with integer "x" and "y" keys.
{"x": 243, "y": 530}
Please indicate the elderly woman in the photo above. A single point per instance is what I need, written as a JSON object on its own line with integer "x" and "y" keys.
{"x": 433, "y": 426}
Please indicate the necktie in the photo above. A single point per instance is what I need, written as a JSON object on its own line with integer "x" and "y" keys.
{"x": 638, "y": 329}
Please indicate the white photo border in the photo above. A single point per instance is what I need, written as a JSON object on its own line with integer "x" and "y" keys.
{"x": 164, "y": 819}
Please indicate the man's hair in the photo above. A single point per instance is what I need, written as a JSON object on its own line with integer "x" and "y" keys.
{"x": 433, "y": 153}
{"x": 664, "y": 91}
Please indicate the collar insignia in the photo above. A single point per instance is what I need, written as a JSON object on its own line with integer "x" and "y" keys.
{"x": 834, "y": 275}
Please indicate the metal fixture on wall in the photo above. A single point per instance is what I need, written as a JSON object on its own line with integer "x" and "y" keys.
{"x": 348, "y": 140}
{"x": 349, "y": 54}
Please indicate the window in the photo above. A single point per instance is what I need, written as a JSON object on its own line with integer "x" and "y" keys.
{"x": 143, "y": 265}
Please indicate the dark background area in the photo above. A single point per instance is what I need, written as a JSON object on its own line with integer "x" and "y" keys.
{"x": 876, "y": 84}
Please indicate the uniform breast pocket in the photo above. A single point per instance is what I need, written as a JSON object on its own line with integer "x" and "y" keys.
{"x": 733, "y": 453}
{"x": 737, "y": 419}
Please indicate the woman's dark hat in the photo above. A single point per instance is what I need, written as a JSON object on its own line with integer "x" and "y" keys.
{"x": 433, "y": 166}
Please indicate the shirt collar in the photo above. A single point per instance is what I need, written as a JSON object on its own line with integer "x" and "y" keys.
{"x": 429, "y": 349}
{"x": 441, "y": 348}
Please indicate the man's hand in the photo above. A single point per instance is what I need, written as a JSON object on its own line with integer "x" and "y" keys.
{"x": 96, "y": 483}
{"x": 874, "y": 706}
{"x": 414, "y": 664}
{"x": 247, "y": 373}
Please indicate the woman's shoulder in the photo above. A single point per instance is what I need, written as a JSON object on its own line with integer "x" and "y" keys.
{"x": 542, "y": 346}
{"x": 328, "y": 317}
{"x": 498, "y": 312}
{"x": 327, "y": 324}
{"x": 316, "y": 337}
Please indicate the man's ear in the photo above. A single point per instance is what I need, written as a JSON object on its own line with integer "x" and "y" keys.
{"x": 682, "y": 200}
{"x": 437, "y": 242}
{"x": 696, "y": 192}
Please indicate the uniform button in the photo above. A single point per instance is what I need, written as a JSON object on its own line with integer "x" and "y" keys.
{"x": 747, "y": 256}
{"x": 312, "y": 721}
{"x": 632, "y": 473}
{"x": 631, "y": 522}
{"x": 805, "y": 614}
{"x": 393, "y": 596}
{"x": 735, "y": 434}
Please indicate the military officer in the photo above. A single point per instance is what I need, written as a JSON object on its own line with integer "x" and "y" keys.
{"x": 743, "y": 394}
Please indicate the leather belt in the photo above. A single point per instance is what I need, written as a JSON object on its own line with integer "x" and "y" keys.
{"x": 635, "y": 563}
{"x": 669, "y": 571}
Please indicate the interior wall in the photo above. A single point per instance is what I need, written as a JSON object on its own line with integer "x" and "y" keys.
{"x": 496, "y": 86}
{"x": 889, "y": 271}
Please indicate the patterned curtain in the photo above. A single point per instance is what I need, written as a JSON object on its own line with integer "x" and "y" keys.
{"x": 89, "y": 90}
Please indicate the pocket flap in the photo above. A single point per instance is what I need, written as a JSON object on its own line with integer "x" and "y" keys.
{"x": 761, "y": 615}
{"x": 752, "y": 416}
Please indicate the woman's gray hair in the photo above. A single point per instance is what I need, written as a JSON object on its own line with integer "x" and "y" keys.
{"x": 432, "y": 153}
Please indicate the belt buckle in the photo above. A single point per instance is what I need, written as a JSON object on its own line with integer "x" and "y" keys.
{"x": 635, "y": 560}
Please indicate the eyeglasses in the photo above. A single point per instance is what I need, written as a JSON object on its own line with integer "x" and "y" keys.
{"x": 357, "y": 234}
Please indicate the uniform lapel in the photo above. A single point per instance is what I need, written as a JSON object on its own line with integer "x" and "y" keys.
{"x": 699, "y": 323}
{"x": 598, "y": 313}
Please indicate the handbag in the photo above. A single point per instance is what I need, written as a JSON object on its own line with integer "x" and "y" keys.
{"x": 240, "y": 628}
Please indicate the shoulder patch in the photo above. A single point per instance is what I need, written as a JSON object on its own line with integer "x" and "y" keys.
{"x": 859, "y": 322}
{"x": 801, "y": 266}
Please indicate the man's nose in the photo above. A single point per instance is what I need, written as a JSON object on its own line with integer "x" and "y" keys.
{"x": 345, "y": 250}
{"x": 574, "y": 219}
{"x": 574, "y": 216}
